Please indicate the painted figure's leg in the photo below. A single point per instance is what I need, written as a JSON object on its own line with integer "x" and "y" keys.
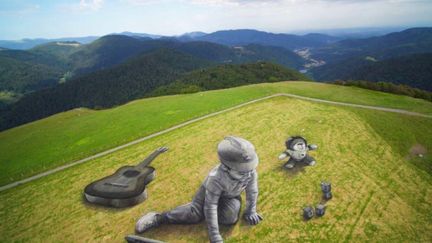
{"x": 190, "y": 213}
{"x": 309, "y": 160}
{"x": 290, "y": 164}
{"x": 229, "y": 210}
{"x": 185, "y": 214}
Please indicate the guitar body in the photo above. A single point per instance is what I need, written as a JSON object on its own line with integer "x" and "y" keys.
{"x": 126, "y": 187}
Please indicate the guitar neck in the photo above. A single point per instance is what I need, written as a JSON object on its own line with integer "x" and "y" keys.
{"x": 148, "y": 160}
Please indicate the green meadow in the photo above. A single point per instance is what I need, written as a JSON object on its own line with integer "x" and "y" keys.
{"x": 382, "y": 188}
{"x": 76, "y": 134}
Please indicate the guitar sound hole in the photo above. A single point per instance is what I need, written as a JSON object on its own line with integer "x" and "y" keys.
{"x": 131, "y": 173}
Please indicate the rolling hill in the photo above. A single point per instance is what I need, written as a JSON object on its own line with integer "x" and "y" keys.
{"x": 247, "y": 36}
{"x": 227, "y": 76}
{"x": 105, "y": 88}
{"x": 22, "y": 77}
{"x": 409, "y": 41}
{"x": 26, "y": 44}
{"x": 138, "y": 78}
{"x": 106, "y": 52}
{"x": 49, "y": 64}
{"x": 380, "y": 183}
{"x": 60, "y": 50}
{"x": 72, "y": 135}
{"x": 42, "y": 67}
{"x": 413, "y": 70}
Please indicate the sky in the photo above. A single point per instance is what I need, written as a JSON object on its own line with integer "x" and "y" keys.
{"x": 73, "y": 18}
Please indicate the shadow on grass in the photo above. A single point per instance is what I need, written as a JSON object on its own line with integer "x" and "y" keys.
{"x": 299, "y": 168}
{"x": 99, "y": 207}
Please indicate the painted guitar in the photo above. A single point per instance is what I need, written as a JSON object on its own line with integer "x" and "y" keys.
{"x": 126, "y": 187}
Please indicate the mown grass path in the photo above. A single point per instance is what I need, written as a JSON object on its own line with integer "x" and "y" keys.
{"x": 382, "y": 191}
{"x": 49, "y": 172}
{"x": 71, "y": 136}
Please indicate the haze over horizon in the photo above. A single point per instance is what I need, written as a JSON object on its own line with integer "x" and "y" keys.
{"x": 73, "y": 18}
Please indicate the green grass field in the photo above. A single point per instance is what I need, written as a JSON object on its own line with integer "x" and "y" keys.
{"x": 76, "y": 134}
{"x": 382, "y": 188}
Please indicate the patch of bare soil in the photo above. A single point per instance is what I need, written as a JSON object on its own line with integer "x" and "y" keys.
{"x": 417, "y": 150}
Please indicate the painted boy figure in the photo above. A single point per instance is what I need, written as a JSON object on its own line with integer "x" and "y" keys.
{"x": 218, "y": 198}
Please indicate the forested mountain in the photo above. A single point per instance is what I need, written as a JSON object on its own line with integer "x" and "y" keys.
{"x": 25, "y": 71}
{"x": 25, "y": 44}
{"x": 105, "y": 88}
{"x": 59, "y": 50}
{"x": 108, "y": 51}
{"x": 414, "y": 70}
{"x": 410, "y": 41}
{"x": 241, "y": 54}
{"x": 20, "y": 76}
{"x": 52, "y": 63}
{"x": 288, "y": 41}
{"x": 137, "y": 78}
{"x": 229, "y": 75}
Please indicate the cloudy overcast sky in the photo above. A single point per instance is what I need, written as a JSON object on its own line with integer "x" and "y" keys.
{"x": 70, "y": 18}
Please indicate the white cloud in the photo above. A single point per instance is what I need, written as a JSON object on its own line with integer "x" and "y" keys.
{"x": 91, "y": 4}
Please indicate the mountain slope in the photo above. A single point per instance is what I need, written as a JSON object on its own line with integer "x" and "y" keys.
{"x": 22, "y": 77}
{"x": 414, "y": 70}
{"x": 241, "y": 54}
{"x": 105, "y": 52}
{"x": 410, "y": 41}
{"x": 138, "y": 78}
{"x": 25, "y": 71}
{"x": 71, "y": 59}
{"x": 288, "y": 41}
{"x": 227, "y": 76}
{"x": 106, "y": 88}
{"x": 26, "y": 44}
{"x": 60, "y": 50}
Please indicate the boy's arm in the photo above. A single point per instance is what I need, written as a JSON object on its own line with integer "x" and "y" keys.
{"x": 251, "y": 214}
{"x": 213, "y": 192}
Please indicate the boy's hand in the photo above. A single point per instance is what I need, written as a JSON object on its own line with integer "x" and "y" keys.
{"x": 312, "y": 146}
{"x": 216, "y": 239}
{"x": 253, "y": 218}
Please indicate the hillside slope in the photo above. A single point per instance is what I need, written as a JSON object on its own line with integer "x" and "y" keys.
{"x": 227, "y": 76}
{"x": 138, "y": 78}
{"x": 381, "y": 186}
{"x": 413, "y": 70}
{"x": 248, "y": 36}
{"x": 52, "y": 63}
{"x": 76, "y": 134}
{"x": 410, "y": 41}
{"x": 104, "y": 88}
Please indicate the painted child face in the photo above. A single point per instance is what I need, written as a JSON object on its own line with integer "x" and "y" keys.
{"x": 239, "y": 175}
{"x": 299, "y": 146}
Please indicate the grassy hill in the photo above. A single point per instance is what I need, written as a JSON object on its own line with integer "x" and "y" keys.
{"x": 72, "y": 135}
{"x": 381, "y": 186}
{"x": 105, "y": 88}
{"x": 149, "y": 74}
{"x": 227, "y": 76}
